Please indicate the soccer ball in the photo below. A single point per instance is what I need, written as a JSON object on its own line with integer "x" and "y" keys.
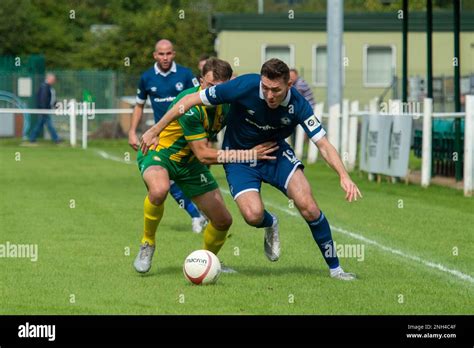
{"x": 202, "y": 267}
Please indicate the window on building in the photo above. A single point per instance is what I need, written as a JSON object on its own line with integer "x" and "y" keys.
{"x": 379, "y": 66}
{"x": 320, "y": 65}
{"x": 284, "y": 53}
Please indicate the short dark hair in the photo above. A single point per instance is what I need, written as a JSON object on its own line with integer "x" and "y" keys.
{"x": 204, "y": 57}
{"x": 221, "y": 70}
{"x": 275, "y": 69}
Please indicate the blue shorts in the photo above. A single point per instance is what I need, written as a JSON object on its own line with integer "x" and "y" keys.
{"x": 244, "y": 177}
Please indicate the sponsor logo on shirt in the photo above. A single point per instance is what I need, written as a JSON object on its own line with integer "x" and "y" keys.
{"x": 265, "y": 127}
{"x": 164, "y": 100}
{"x": 312, "y": 123}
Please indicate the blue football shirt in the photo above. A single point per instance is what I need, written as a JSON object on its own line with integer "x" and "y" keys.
{"x": 251, "y": 122}
{"x": 163, "y": 87}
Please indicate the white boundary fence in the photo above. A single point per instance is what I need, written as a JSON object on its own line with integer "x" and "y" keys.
{"x": 342, "y": 129}
{"x": 73, "y": 111}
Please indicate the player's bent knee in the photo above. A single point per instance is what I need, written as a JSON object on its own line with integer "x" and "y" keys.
{"x": 157, "y": 196}
{"x": 223, "y": 223}
{"x": 310, "y": 211}
{"x": 253, "y": 217}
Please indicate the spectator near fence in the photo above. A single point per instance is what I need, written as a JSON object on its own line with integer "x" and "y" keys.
{"x": 302, "y": 87}
{"x": 46, "y": 99}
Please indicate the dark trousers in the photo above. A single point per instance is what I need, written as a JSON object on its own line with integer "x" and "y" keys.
{"x": 44, "y": 120}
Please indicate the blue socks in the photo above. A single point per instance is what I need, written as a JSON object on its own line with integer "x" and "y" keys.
{"x": 184, "y": 201}
{"x": 322, "y": 235}
{"x": 267, "y": 220}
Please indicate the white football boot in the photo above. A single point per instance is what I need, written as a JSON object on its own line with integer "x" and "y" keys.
{"x": 338, "y": 273}
{"x": 226, "y": 269}
{"x": 271, "y": 241}
{"x": 199, "y": 223}
{"x": 142, "y": 262}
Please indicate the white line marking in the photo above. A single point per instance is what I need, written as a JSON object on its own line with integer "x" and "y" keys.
{"x": 360, "y": 237}
{"x": 105, "y": 155}
{"x": 430, "y": 264}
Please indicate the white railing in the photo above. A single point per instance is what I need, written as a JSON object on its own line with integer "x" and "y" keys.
{"x": 72, "y": 111}
{"x": 342, "y": 131}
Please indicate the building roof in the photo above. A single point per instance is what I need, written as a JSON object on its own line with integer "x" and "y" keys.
{"x": 373, "y": 21}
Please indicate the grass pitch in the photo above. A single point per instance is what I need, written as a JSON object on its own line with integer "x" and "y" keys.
{"x": 84, "y": 212}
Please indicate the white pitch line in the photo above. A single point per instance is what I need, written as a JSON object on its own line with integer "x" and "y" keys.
{"x": 430, "y": 264}
{"x": 360, "y": 237}
{"x": 105, "y": 155}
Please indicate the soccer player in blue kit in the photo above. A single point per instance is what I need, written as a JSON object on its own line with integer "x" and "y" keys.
{"x": 266, "y": 108}
{"x": 162, "y": 83}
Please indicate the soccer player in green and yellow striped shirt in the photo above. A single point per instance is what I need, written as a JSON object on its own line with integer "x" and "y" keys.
{"x": 181, "y": 155}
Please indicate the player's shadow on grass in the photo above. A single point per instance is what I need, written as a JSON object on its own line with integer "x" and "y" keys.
{"x": 249, "y": 271}
{"x": 157, "y": 271}
{"x": 281, "y": 271}
{"x": 179, "y": 227}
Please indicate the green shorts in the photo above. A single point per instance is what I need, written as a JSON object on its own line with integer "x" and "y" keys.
{"x": 194, "y": 178}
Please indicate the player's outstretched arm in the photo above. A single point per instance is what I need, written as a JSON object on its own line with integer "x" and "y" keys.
{"x": 331, "y": 156}
{"x": 132, "y": 133}
{"x": 208, "y": 155}
{"x": 150, "y": 137}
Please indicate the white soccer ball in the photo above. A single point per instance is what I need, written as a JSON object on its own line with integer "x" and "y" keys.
{"x": 202, "y": 267}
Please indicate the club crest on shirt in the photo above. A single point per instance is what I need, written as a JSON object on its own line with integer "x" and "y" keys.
{"x": 179, "y": 86}
{"x": 212, "y": 92}
{"x": 153, "y": 89}
{"x": 285, "y": 120}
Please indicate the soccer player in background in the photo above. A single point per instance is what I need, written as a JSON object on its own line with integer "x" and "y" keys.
{"x": 181, "y": 155}
{"x": 265, "y": 107}
{"x": 162, "y": 83}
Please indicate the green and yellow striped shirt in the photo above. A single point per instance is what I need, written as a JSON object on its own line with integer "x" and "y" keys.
{"x": 199, "y": 122}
